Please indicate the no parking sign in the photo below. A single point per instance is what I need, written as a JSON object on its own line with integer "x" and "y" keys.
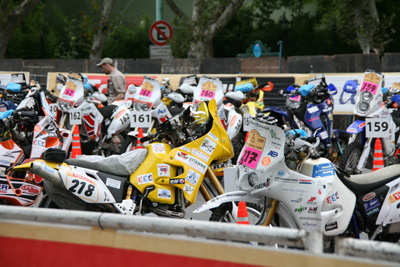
{"x": 160, "y": 32}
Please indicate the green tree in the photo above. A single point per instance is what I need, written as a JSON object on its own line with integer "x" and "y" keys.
{"x": 208, "y": 20}
{"x": 12, "y": 12}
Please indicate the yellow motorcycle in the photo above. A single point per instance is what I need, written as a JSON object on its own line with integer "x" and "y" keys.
{"x": 164, "y": 178}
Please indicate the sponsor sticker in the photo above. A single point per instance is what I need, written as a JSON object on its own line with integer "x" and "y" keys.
{"x": 113, "y": 183}
{"x": 145, "y": 178}
{"x": 193, "y": 177}
{"x": 394, "y": 197}
{"x": 163, "y": 170}
{"x": 200, "y": 154}
{"x": 208, "y": 146}
{"x": 188, "y": 189}
{"x": 158, "y": 148}
{"x": 164, "y": 193}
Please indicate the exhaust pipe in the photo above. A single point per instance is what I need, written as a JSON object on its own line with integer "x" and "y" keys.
{"x": 46, "y": 172}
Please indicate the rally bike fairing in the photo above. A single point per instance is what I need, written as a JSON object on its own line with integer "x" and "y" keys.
{"x": 314, "y": 198}
{"x": 155, "y": 181}
{"x": 72, "y": 104}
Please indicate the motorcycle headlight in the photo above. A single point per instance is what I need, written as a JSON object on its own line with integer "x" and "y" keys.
{"x": 253, "y": 179}
{"x": 67, "y": 105}
{"x": 145, "y": 107}
{"x": 363, "y": 106}
{"x": 366, "y": 96}
{"x": 138, "y": 106}
{"x": 61, "y": 105}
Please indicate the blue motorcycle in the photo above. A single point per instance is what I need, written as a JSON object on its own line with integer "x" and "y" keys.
{"x": 312, "y": 106}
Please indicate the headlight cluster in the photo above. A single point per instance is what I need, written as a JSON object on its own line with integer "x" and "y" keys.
{"x": 64, "y": 105}
{"x": 366, "y": 97}
{"x": 253, "y": 179}
{"x": 141, "y": 106}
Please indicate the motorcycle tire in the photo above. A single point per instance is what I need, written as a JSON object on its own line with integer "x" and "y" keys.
{"x": 350, "y": 158}
{"x": 237, "y": 144}
{"x": 223, "y": 213}
{"x": 127, "y": 144}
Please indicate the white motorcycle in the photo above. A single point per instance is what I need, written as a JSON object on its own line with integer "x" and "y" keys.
{"x": 311, "y": 195}
{"x": 77, "y": 106}
{"x": 373, "y": 120}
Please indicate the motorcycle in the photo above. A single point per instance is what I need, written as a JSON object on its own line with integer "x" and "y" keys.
{"x": 312, "y": 105}
{"x": 148, "y": 112}
{"x": 372, "y": 120}
{"x": 314, "y": 195}
{"x": 246, "y": 101}
{"x": 78, "y": 106}
{"x": 33, "y": 133}
{"x": 158, "y": 179}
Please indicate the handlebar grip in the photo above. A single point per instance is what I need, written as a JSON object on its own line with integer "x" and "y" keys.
{"x": 20, "y": 113}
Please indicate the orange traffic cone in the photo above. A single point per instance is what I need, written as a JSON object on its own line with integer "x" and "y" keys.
{"x": 242, "y": 216}
{"x": 76, "y": 143}
{"x": 378, "y": 156}
{"x": 139, "y": 136}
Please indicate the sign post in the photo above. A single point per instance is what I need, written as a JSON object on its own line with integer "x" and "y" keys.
{"x": 160, "y": 32}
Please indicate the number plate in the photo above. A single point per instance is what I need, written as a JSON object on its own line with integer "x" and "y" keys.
{"x": 75, "y": 116}
{"x": 53, "y": 109}
{"x": 377, "y": 127}
{"x": 246, "y": 122}
{"x": 140, "y": 119}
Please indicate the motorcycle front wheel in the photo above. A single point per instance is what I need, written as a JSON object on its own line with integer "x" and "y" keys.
{"x": 351, "y": 157}
{"x": 224, "y": 213}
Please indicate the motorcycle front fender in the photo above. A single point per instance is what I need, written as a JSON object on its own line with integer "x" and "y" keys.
{"x": 356, "y": 127}
{"x": 228, "y": 197}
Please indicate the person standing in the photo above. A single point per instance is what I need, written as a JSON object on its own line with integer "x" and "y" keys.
{"x": 116, "y": 85}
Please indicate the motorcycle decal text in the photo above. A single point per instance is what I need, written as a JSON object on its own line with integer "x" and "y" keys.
{"x": 266, "y": 161}
{"x": 113, "y": 183}
{"x": 332, "y": 198}
{"x": 191, "y": 161}
{"x": 253, "y": 150}
{"x": 82, "y": 188}
{"x": 177, "y": 181}
{"x": 200, "y": 154}
{"x": 331, "y": 226}
{"x": 164, "y": 193}
{"x": 323, "y": 170}
{"x": 3, "y": 188}
{"x": 163, "y": 170}
{"x": 145, "y": 178}
{"x": 208, "y": 146}
{"x": 29, "y": 189}
{"x": 372, "y": 207}
{"x": 273, "y": 154}
{"x": 208, "y": 90}
{"x": 158, "y": 148}
{"x": 394, "y": 197}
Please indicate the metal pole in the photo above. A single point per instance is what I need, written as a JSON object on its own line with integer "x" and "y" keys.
{"x": 150, "y": 224}
{"x": 280, "y": 43}
{"x": 159, "y": 10}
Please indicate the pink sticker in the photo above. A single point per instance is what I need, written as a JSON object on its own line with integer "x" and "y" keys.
{"x": 367, "y": 86}
{"x": 250, "y": 157}
{"x": 145, "y": 92}
{"x": 295, "y": 98}
{"x": 69, "y": 92}
{"x": 208, "y": 94}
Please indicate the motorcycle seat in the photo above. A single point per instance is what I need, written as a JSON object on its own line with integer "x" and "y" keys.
{"x": 121, "y": 165}
{"x": 107, "y": 111}
{"x": 364, "y": 183}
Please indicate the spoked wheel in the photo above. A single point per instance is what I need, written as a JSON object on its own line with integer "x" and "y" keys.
{"x": 224, "y": 213}
{"x": 351, "y": 157}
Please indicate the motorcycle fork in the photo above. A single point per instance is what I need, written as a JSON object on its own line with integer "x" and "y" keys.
{"x": 364, "y": 155}
{"x": 273, "y": 204}
{"x": 214, "y": 181}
